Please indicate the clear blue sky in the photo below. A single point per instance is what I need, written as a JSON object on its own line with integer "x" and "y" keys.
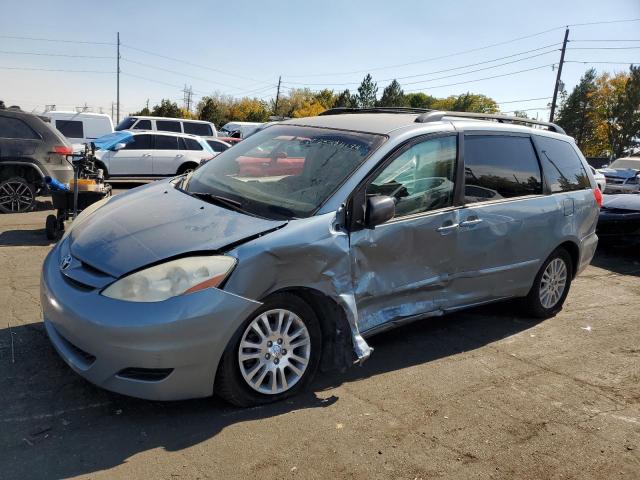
{"x": 310, "y": 42}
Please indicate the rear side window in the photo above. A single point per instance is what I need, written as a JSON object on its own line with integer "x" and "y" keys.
{"x": 168, "y": 126}
{"x": 197, "y": 129}
{"x": 217, "y": 146}
{"x": 166, "y": 142}
{"x": 562, "y": 165}
{"x": 192, "y": 144}
{"x": 500, "y": 167}
{"x": 143, "y": 125}
{"x": 16, "y": 128}
{"x": 140, "y": 142}
{"x": 70, "y": 128}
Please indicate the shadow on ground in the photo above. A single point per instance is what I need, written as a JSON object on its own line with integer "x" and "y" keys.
{"x": 50, "y": 416}
{"x": 622, "y": 259}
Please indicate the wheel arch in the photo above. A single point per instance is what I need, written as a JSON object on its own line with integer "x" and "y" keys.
{"x": 337, "y": 346}
{"x": 27, "y": 170}
{"x": 185, "y": 165}
{"x": 574, "y": 252}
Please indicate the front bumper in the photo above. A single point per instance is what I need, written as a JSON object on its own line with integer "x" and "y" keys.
{"x": 619, "y": 225}
{"x": 100, "y": 337}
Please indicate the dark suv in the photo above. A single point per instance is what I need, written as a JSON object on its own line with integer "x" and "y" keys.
{"x": 30, "y": 149}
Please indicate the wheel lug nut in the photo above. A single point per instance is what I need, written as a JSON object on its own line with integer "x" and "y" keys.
{"x": 267, "y": 356}
{"x": 276, "y": 361}
{"x": 284, "y": 351}
{"x": 279, "y": 341}
{"x": 269, "y": 343}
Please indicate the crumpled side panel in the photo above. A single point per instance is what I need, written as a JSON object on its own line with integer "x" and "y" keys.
{"x": 308, "y": 253}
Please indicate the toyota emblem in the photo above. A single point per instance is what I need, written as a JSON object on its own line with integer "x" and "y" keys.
{"x": 66, "y": 261}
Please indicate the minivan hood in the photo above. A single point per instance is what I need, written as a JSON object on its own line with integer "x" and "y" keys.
{"x": 155, "y": 222}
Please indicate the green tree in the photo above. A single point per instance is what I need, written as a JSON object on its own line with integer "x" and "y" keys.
{"x": 627, "y": 133}
{"x": 467, "y": 102}
{"x": 419, "y": 100}
{"x": 392, "y": 96}
{"x": 345, "y": 99}
{"x": 367, "y": 92}
{"x": 577, "y": 112}
{"x": 166, "y": 108}
{"x": 326, "y": 98}
{"x": 215, "y": 108}
{"x": 2, "y": 105}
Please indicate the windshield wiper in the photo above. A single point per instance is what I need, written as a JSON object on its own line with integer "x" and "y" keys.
{"x": 219, "y": 200}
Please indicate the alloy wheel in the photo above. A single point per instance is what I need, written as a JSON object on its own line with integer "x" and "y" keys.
{"x": 553, "y": 283}
{"x": 15, "y": 196}
{"x": 274, "y": 351}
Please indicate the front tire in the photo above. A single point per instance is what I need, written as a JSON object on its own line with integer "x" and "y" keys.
{"x": 551, "y": 285}
{"x": 273, "y": 355}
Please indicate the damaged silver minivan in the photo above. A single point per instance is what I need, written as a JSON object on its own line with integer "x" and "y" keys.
{"x": 284, "y": 253}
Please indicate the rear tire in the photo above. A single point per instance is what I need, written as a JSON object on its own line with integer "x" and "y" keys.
{"x": 284, "y": 359}
{"x": 551, "y": 286}
{"x": 17, "y": 195}
{"x": 51, "y": 227}
{"x": 187, "y": 168}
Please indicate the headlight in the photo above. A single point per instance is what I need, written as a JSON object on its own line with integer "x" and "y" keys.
{"x": 177, "y": 277}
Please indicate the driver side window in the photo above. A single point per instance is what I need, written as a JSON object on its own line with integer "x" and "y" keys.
{"x": 420, "y": 179}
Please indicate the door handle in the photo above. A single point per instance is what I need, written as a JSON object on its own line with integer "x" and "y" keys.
{"x": 447, "y": 228}
{"x": 470, "y": 222}
{"x": 180, "y": 155}
{"x": 146, "y": 154}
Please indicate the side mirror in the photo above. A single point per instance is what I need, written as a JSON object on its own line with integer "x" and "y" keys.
{"x": 118, "y": 146}
{"x": 379, "y": 209}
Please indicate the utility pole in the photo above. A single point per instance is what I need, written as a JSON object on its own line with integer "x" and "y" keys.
{"x": 558, "y": 81}
{"x": 188, "y": 96}
{"x": 118, "y": 83}
{"x": 112, "y": 105}
{"x": 275, "y": 110}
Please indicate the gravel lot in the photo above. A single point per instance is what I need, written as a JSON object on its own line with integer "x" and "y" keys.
{"x": 480, "y": 394}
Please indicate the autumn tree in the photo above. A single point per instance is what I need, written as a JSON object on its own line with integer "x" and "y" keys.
{"x": 215, "y": 108}
{"x": 367, "y": 92}
{"x": 392, "y": 96}
{"x": 467, "y": 102}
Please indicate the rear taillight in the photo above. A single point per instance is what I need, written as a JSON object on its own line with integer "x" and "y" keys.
{"x": 62, "y": 150}
{"x": 598, "y": 196}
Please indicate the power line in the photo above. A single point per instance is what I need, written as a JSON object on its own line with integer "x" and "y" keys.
{"x": 603, "y": 48}
{"x": 527, "y": 109}
{"x": 462, "y": 52}
{"x": 55, "y": 40}
{"x": 484, "y": 78}
{"x": 55, "y": 70}
{"x": 523, "y": 100}
{"x": 178, "y": 73}
{"x": 595, "y": 40}
{"x": 604, "y": 63}
{"x": 148, "y": 52}
{"x": 449, "y": 69}
{"x": 54, "y": 54}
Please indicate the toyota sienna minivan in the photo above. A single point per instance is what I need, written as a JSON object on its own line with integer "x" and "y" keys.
{"x": 243, "y": 282}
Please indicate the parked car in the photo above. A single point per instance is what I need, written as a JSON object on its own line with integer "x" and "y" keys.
{"x": 30, "y": 149}
{"x": 80, "y": 127}
{"x": 243, "y": 286}
{"x": 239, "y": 129}
{"x": 167, "y": 124}
{"x": 623, "y": 175}
{"x": 619, "y": 220}
{"x": 600, "y": 179}
{"x": 218, "y": 146}
{"x": 152, "y": 154}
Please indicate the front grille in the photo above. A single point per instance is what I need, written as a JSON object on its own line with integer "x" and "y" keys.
{"x": 145, "y": 374}
{"x": 615, "y": 181}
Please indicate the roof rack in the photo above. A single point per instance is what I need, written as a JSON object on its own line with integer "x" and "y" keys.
{"x": 341, "y": 110}
{"x": 436, "y": 116}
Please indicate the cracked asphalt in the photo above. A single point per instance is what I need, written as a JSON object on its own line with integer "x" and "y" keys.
{"x": 479, "y": 394}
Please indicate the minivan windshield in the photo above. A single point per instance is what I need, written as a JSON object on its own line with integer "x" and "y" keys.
{"x": 626, "y": 163}
{"x": 284, "y": 171}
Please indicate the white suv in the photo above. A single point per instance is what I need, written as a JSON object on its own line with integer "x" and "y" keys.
{"x": 168, "y": 124}
{"x": 151, "y": 154}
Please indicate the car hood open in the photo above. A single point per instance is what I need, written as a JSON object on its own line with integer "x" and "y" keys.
{"x": 157, "y": 222}
{"x": 629, "y": 201}
{"x": 619, "y": 172}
